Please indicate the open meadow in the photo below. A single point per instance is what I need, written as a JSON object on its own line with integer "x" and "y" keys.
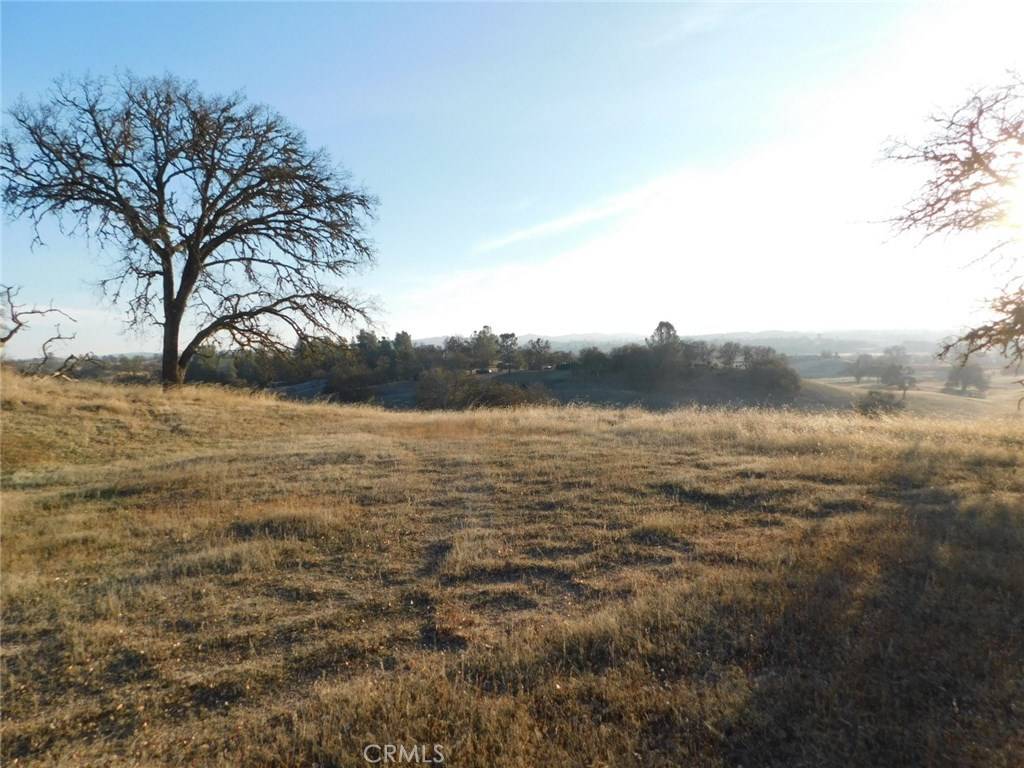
{"x": 928, "y": 398}
{"x": 205, "y": 577}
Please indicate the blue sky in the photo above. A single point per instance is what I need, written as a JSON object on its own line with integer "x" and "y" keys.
{"x": 572, "y": 168}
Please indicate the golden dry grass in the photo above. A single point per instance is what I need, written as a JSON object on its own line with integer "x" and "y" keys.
{"x": 929, "y": 398}
{"x": 209, "y": 578}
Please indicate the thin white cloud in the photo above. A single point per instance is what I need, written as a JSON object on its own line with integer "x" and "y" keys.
{"x": 575, "y": 220}
{"x": 781, "y": 238}
{"x": 696, "y": 22}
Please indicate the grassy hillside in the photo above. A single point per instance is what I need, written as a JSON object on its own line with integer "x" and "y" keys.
{"x": 930, "y": 399}
{"x": 207, "y": 578}
{"x": 615, "y": 391}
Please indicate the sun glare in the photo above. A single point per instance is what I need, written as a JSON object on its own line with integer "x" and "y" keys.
{"x": 1015, "y": 207}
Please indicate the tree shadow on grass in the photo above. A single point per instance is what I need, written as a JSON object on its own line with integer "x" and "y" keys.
{"x": 916, "y": 661}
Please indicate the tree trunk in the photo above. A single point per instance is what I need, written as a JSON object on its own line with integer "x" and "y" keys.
{"x": 172, "y": 374}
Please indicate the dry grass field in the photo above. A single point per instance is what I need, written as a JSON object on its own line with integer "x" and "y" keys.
{"x": 209, "y": 578}
{"x": 929, "y": 399}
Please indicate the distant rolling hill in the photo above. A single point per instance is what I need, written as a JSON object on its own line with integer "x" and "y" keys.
{"x": 929, "y": 399}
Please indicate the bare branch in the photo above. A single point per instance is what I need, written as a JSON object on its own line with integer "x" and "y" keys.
{"x": 41, "y": 365}
{"x": 15, "y": 318}
{"x": 1004, "y": 335}
{"x": 220, "y": 211}
{"x": 975, "y": 157}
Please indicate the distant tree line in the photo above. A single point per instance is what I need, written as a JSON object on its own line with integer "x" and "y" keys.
{"x": 465, "y": 371}
{"x": 891, "y": 369}
{"x": 666, "y": 360}
{"x": 353, "y": 367}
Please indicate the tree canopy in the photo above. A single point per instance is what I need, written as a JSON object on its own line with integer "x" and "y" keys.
{"x": 974, "y": 157}
{"x": 224, "y": 220}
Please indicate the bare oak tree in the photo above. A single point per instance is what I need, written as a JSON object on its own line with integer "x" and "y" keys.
{"x": 224, "y": 221}
{"x": 975, "y": 157}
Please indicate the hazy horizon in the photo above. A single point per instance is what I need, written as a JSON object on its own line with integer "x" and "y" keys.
{"x": 874, "y": 337}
